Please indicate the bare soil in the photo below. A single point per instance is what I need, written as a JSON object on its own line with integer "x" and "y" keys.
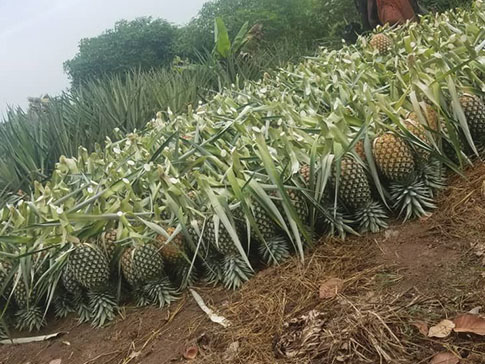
{"x": 421, "y": 271}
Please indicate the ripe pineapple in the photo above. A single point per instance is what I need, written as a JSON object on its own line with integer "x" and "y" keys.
{"x": 418, "y": 130}
{"x": 393, "y": 157}
{"x": 235, "y": 271}
{"x": 381, "y": 42}
{"x": 430, "y": 115}
{"x": 107, "y": 242}
{"x": 474, "y": 110}
{"x": 305, "y": 173}
{"x": 176, "y": 254}
{"x": 360, "y": 150}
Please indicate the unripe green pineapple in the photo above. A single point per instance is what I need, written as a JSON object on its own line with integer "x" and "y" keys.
{"x": 272, "y": 243}
{"x": 355, "y": 193}
{"x": 29, "y": 315}
{"x": 381, "y": 42}
{"x": 147, "y": 263}
{"x": 474, "y": 110}
{"x": 143, "y": 268}
{"x": 69, "y": 281}
{"x": 5, "y": 268}
{"x": 353, "y": 189}
{"x": 393, "y": 157}
{"x": 89, "y": 266}
{"x": 127, "y": 267}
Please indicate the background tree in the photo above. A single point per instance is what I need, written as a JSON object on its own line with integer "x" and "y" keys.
{"x": 143, "y": 43}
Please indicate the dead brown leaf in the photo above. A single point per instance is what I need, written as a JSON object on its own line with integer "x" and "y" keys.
{"x": 422, "y": 327}
{"x": 442, "y": 329}
{"x": 470, "y": 323}
{"x": 445, "y": 358}
{"x": 330, "y": 288}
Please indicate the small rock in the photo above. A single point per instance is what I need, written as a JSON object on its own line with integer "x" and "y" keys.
{"x": 55, "y": 361}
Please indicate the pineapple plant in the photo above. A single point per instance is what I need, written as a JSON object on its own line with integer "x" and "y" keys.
{"x": 381, "y": 42}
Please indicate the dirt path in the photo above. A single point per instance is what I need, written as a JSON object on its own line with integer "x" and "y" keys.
{"x": 423, "y": 271}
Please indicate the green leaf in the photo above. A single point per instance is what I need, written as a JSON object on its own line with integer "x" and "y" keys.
{"x": 223, "y": 44}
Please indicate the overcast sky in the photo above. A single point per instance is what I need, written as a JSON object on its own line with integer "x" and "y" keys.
{"x": 37, "y": 36}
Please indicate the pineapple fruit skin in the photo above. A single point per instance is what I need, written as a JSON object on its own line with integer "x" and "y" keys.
{"x": 381, "y": 42}
{"x": 393, "y": 157}
{"x": 89, "y": 266}
{"x": 474, "y": 110}
{"x": 353, "y": 189}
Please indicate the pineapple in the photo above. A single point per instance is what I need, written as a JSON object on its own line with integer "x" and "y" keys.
{"x": 355, "y": 193}
{"x": 418, "y": 130}
{"x": 5, "y": 268}
{"x": 272, "y": 243}
{"x": 474, "y": 110}
{"x": 381, "y": 42}
{"x": 107, "y": 242}
{"x": 393, "y": 157}
{"x": 235, "y": 270}
{"x": 29, "y": 315}
{"x": 176, "y": 255}
{"x": 90, "y": 269}
{"x": 89, "y": 266}
{"x": 143, "y": 268}
{"x": 430, "y": 116}
{"x": 353, "y": 188}
{"x": 305, "y": 173}
{"x": 70, "y": 283}
{"x": 360, "y": 150}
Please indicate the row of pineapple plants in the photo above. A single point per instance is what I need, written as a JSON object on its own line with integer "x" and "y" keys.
{"x": 338, "y": 144}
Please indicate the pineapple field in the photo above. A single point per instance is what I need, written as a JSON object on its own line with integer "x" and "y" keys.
{"x": 291, "y": 167}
